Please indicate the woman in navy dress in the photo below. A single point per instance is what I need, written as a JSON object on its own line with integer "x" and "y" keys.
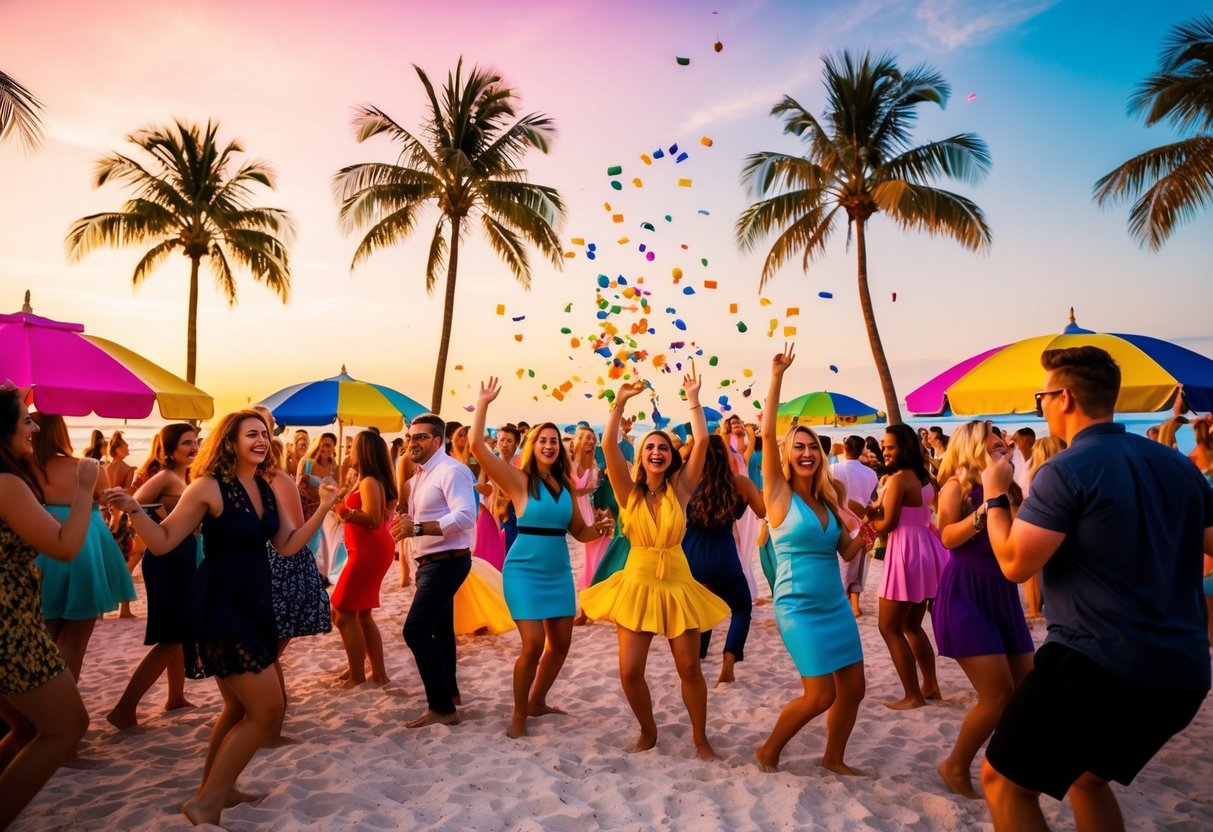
{"x": 804, "y": 509}
{"x": 233, "y": 633}
{"x": 537, "y": 577}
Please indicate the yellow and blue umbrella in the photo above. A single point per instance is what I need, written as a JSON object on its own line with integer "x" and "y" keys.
{"x": 1005, "y": 379}
{"x": 826, "y": 408}
{"x": 344, "y": 400}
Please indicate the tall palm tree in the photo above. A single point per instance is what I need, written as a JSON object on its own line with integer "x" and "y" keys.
{"x": 189, "y": 200}
{"x": 859, "y": 161}
{"x": 467, "y": 162}
{"x": 19, "y": 112}
{"x": 1170, "y": 183}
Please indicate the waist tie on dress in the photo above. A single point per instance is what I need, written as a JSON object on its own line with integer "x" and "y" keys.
{"x": 663, "y": 558}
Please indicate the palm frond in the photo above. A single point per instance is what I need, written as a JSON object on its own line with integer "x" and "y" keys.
{"x": 964, "y": 157}
{"x": 435, "y": 262}
{"x": 225, "y": 278}
{"x": 916, "y": 207}
{"x": 1174, "y": 182}
{"x": 509, "y": 248}
{"x": 263, "y": 255}
{"x": 19, "y": 113}
{"x": 389, "y": 231}
{"x": 141, "y": 222}
{"x": 156, "y": 255}
{"x": 1181, "y": 92}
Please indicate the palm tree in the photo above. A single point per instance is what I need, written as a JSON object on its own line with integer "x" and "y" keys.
{"x": 189, "y": 200}
{"x": 859, "y": 161}
{"x": 1170, "y": 183}
{"x": 19, "y": 112}
{"x": 467, "y": 162}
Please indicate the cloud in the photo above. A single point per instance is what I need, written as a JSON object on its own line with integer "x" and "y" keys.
{"x": 956, "y": 23}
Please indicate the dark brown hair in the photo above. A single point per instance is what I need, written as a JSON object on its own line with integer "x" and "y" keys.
{"x": 561, "y": 469}
{"x": 715, "y": 500}
{"x": 1089, "y": 373}
{"x": 10, "y": 414}
{"x": 371, "y": 456}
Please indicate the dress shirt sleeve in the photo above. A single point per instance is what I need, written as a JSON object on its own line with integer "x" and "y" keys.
{"x": 459, "y": 489}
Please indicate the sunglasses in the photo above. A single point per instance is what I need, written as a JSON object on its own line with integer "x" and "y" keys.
{"x": 1040, "y": 397}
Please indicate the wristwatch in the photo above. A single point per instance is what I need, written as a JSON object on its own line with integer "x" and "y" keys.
{"x": 1001, "y": 501}
{"x": 418, "y": 531}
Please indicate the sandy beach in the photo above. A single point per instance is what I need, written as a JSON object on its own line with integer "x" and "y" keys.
{"x": 354, "y": 765}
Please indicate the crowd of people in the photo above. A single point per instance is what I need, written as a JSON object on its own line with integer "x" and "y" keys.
{"x": 248, "y": 542}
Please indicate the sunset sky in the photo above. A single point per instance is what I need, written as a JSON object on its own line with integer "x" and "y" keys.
{"x": 1044, "y": 83}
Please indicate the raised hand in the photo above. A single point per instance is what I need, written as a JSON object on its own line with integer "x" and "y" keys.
{"x": 116, "y": 498}
{"x": 784, "y": 359}
{"x": 629, "y": 390}
{"x": 489, "y": 391}
{"x": 692, "y": 383}
{"x": 996, "y": 477}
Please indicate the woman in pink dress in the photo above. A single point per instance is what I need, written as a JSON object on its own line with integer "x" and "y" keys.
{"x": 371, "y": 549}
{"x": 585, "y": 482}
{"x": 914, "y": 559}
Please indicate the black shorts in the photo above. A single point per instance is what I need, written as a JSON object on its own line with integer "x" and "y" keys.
{"x": 1071, "y": 716}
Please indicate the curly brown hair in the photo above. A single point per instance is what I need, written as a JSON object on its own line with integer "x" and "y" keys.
{"x": 715, "y": 500}
{"x": 217, "y": 457}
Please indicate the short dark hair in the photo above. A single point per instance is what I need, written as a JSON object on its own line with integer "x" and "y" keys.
{"x": 1089, "y": 373}
{"x": 512, "y": 430}
{"x": 853, "y": 446}
{"x": 374, "y": 430}
{"x": 1026, "y": 433}
{"x": 826, "y": 444}
{"x": 935, "y": 429}
{"x": 434, "y": 421}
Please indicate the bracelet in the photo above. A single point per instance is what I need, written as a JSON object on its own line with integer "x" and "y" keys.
{"x": 695, "y": 407}
{"x": 979, "y": 522}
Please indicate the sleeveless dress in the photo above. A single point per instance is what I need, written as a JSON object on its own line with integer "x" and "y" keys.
{"x": 977, "y": 611}
{"x": 91, "y": 583}
{"x": 914, "y": 558}
{"x": 370, "y": 553}
{"x": 712, "y": 555}
{"x": 479, "y": 603}
{"x": 231, "y": 608}
{"x": 28, "y": 657}
{"x": 595, "y": 548}
{"x": 811, "y": 608}
{"x": 301, "y": 605}
{"x": 655, "y": 591}
{"x": 537, "y": 577}
{"x": 166, "y": 580}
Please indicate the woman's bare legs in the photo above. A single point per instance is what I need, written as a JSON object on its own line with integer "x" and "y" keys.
{"x": 819, "y": 695}
{"x": 924, "y": 653}
{"x": 373, "y": 640}
{"x": 252, "y": 705}
{"x": 59, "y": 721}
{"x": 355, "y": 646}
{"x": 162, "y": 658}
{"x": 893, "y": 618}
{"x": 633, "y": 657}
{"x": 525, "y": 667}
{"x": 694, "y": 690}
{"x": 850, "y": 687}
{"x": 72, "y": 637}
{"x": 558, "y": 634}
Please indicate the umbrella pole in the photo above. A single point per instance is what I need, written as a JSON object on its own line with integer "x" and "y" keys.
{"x": 340, "y": 443}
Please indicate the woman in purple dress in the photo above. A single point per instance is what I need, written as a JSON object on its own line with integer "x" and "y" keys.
{"x": 977, "y": 616}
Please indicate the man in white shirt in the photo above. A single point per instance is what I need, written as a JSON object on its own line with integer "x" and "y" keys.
{"x": 1024, "y": 439}
{"x": 859, "y": 481}
{"x": 440, "y": 513}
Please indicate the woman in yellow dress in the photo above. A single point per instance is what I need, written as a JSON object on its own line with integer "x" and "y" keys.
{"x": 655, "y": 592}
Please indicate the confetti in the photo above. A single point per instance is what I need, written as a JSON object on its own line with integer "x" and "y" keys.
{"x": 518, "y": 336}
{"x": 894, "y": 297}
{"x": 682, "y": 157}
{"x": 792, "y": 311}
{"x": 826, "y": 295}
{"x": 684, "y": 183}
{"x": 680, "y": 324}
{"x": 616, "y": 184}
{"x": 683, "y": 61}
{"x": 704, "y": 212}
{"x": 709, "y": 284}
{"x": 470, "y": 408}
{"x": 971, "y": 97}
{"x": 646, "y": 158}
{"x": 578, "y": 241}
{"x": 501, "y": 309}
{"x": 705, "y": 141}
{"x": 718, "y": 46}
{"x": 741, "y": 327}
{"x": 614, "y": 170}
{"x": 637, "y": 182}
{"x": 616, "y": 217}
{"x": 789, "y": 331}
{"x": 518, "y": 318}
{"x": 732, "y": 309}
{"x": 833, "y": 368}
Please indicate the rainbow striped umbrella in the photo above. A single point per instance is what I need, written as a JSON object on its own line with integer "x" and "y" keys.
{"x": 344, "y": 400}
{"x": 1004, "y": 379}
{"x": 826, "y": 408}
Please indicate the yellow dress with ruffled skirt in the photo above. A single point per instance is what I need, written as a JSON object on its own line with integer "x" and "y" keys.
{"x": 655, "y": 591}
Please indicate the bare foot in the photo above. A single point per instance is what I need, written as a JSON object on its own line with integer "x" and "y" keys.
{"x": 124, "y": 610}
{"x": 235, "y": 797}
{"x": 279, "y": 741}
{"x": 581, "y": 620}
{"x": 349, "y": 683}
{"x": 517, "y": 727}
{"x": 123, "y": 721}
{"x": 177, "y": 704}
{"x": 906, "y": 704}
{"x": 958, "y": 782}
{"x": 433, "y": 718}
{"x": 198, "y": 814}
{"x": 933, "y": 696}
{"x": 543, "y": 709}
{"x": 645, "y": 741}
{"x": 839, "y": 767}
{"x": 705, "y": 751}
{"x": 765, "y": 762}
{"x": 344, "y": 675}
{"x": 726, "y": 670}
{"x": 380, "y": 681}
{"x": 858, "y": 612}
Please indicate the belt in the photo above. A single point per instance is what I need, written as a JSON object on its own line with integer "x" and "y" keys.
{"x": 448, "y": 554}
{"x": 662, "y": 571}
{"x": 541, "y": 530}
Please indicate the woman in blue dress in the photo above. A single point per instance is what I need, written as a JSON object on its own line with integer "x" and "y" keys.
{"x": 233, "y": 632}
{"x": 818, "y": 628}
{"x": 537, "y": 577}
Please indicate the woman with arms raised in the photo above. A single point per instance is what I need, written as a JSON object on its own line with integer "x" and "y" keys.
{"x": 537, "y": 577}
{"x": 804, "y": 509}
{"x": 234, "y": 634}
{"x": 38, "y": 696}
{"x": 655, "y": 593}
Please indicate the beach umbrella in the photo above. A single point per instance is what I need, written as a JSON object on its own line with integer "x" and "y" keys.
{"x": 1005, "y": 379}
{"x": 344, "y": 400}
{"x": 711, "y": 414}
{"x": 68, "y": 373}
{"x": 825, "y": 408}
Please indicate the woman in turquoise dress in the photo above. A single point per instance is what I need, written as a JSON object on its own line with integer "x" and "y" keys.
{"x": 537, "y": 577}
{"x": 818, "y": 628}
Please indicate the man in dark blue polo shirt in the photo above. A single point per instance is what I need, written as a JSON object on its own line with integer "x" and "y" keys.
{"x": 1118, "y": 524}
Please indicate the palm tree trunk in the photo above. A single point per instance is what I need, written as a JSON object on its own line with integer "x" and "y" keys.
{"x": 892, "y": 408}
{"x": 191, "y": 326}
{"x": 448, "y": 315}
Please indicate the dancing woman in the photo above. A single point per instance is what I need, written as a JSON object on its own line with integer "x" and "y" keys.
{"x": 234, "y": 635}
{"x": 38, "y": 696}
{"x": 804, "y": 509}
{"x": 977, "y": 616}
{"x": 537, "y": 577}
{"x": 655, "y": 592}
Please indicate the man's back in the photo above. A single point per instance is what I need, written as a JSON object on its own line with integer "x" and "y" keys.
{"x": 858, "y": 479}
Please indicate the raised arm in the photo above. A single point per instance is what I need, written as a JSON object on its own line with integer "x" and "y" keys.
{"x": 200, "y": 498}
{"x": 750, "y": 493}
{"x": 775, "y": 490}
{"x": 616, "y": 465}
{"x": 748, "y": 451}
{"x": 20, "y": 510}
{"x": 511, "y": 480}
{"x": 692, "y": 471}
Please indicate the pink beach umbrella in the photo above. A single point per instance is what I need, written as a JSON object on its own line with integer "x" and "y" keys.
{"x": 68, "y": 373}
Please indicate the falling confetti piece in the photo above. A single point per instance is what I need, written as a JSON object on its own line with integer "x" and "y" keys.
{"x": 648, "y": 226}
{"x": 789, "y": 331}
{"x": 894, "y": 297}
{"x": 684, "y": 183}
{"x": 470, "y": 408}
{"x": 659, "y": 153}
{"x": 617, "y": 217}
{"x": 763, "y": 302}
{"x": 705, "y": 141}
{"x": 826, "y": 295}
{"x": 703, "y": 212}
{"x": 637, "y": 182}
{"x": 709, "y": 284}
{"x": 713, "y": 361}
{"x": 833, "y": 368}
{"x": 518, "y": 318}
{"x": 568, "y": 307}
{"x": 747, "y": 373}
{"x": 680, "y": 324}
{"x": 703, "y": 261}
{"x": 683, "y": 61}
{"x": 578, "y": 241}
{"x": 614, "y": 170}
{"x": 732, "y": 309}
{"x": 688, "y": 290}
{"x": 646, "y": 158}
{"x": 741, "y": 327}
{"x": 501, "y": 309}
{"x": 623, "y": 241}
{"x": 616, "y": 184}
{"x": 673, "y": 148}
{"x": 718, "y": 46}
{"x": 518, "y": 336}
{"x": 650, "y": 256}
{"x": 792, "y": 311}
{"x": 677, "y": 273}
{"x": 682, "y": 157}
{"x": 971, "y": 97}
{"x": 569, "y": 255}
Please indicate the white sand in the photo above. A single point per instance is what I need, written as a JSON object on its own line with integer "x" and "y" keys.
{"x": 356, "y": 766}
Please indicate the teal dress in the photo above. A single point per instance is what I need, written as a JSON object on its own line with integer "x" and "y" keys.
{"x": 811, "y": 609}
{"x": 91, "y": 583}
{"x": 537, "y": 578}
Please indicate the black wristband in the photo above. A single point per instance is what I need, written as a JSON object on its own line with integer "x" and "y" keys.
{"x": 1001, "y": 501}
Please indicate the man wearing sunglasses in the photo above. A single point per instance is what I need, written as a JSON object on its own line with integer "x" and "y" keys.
{"x": 438, "y": 510}
{"x": 1119, "y": 525}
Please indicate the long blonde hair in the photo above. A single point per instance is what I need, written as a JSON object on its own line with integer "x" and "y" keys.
{"x": 822, "y": 486}
{"x": 1044, "y": 450}
{"x": 966, "y": 456}
{"x": 217, "y": 457}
